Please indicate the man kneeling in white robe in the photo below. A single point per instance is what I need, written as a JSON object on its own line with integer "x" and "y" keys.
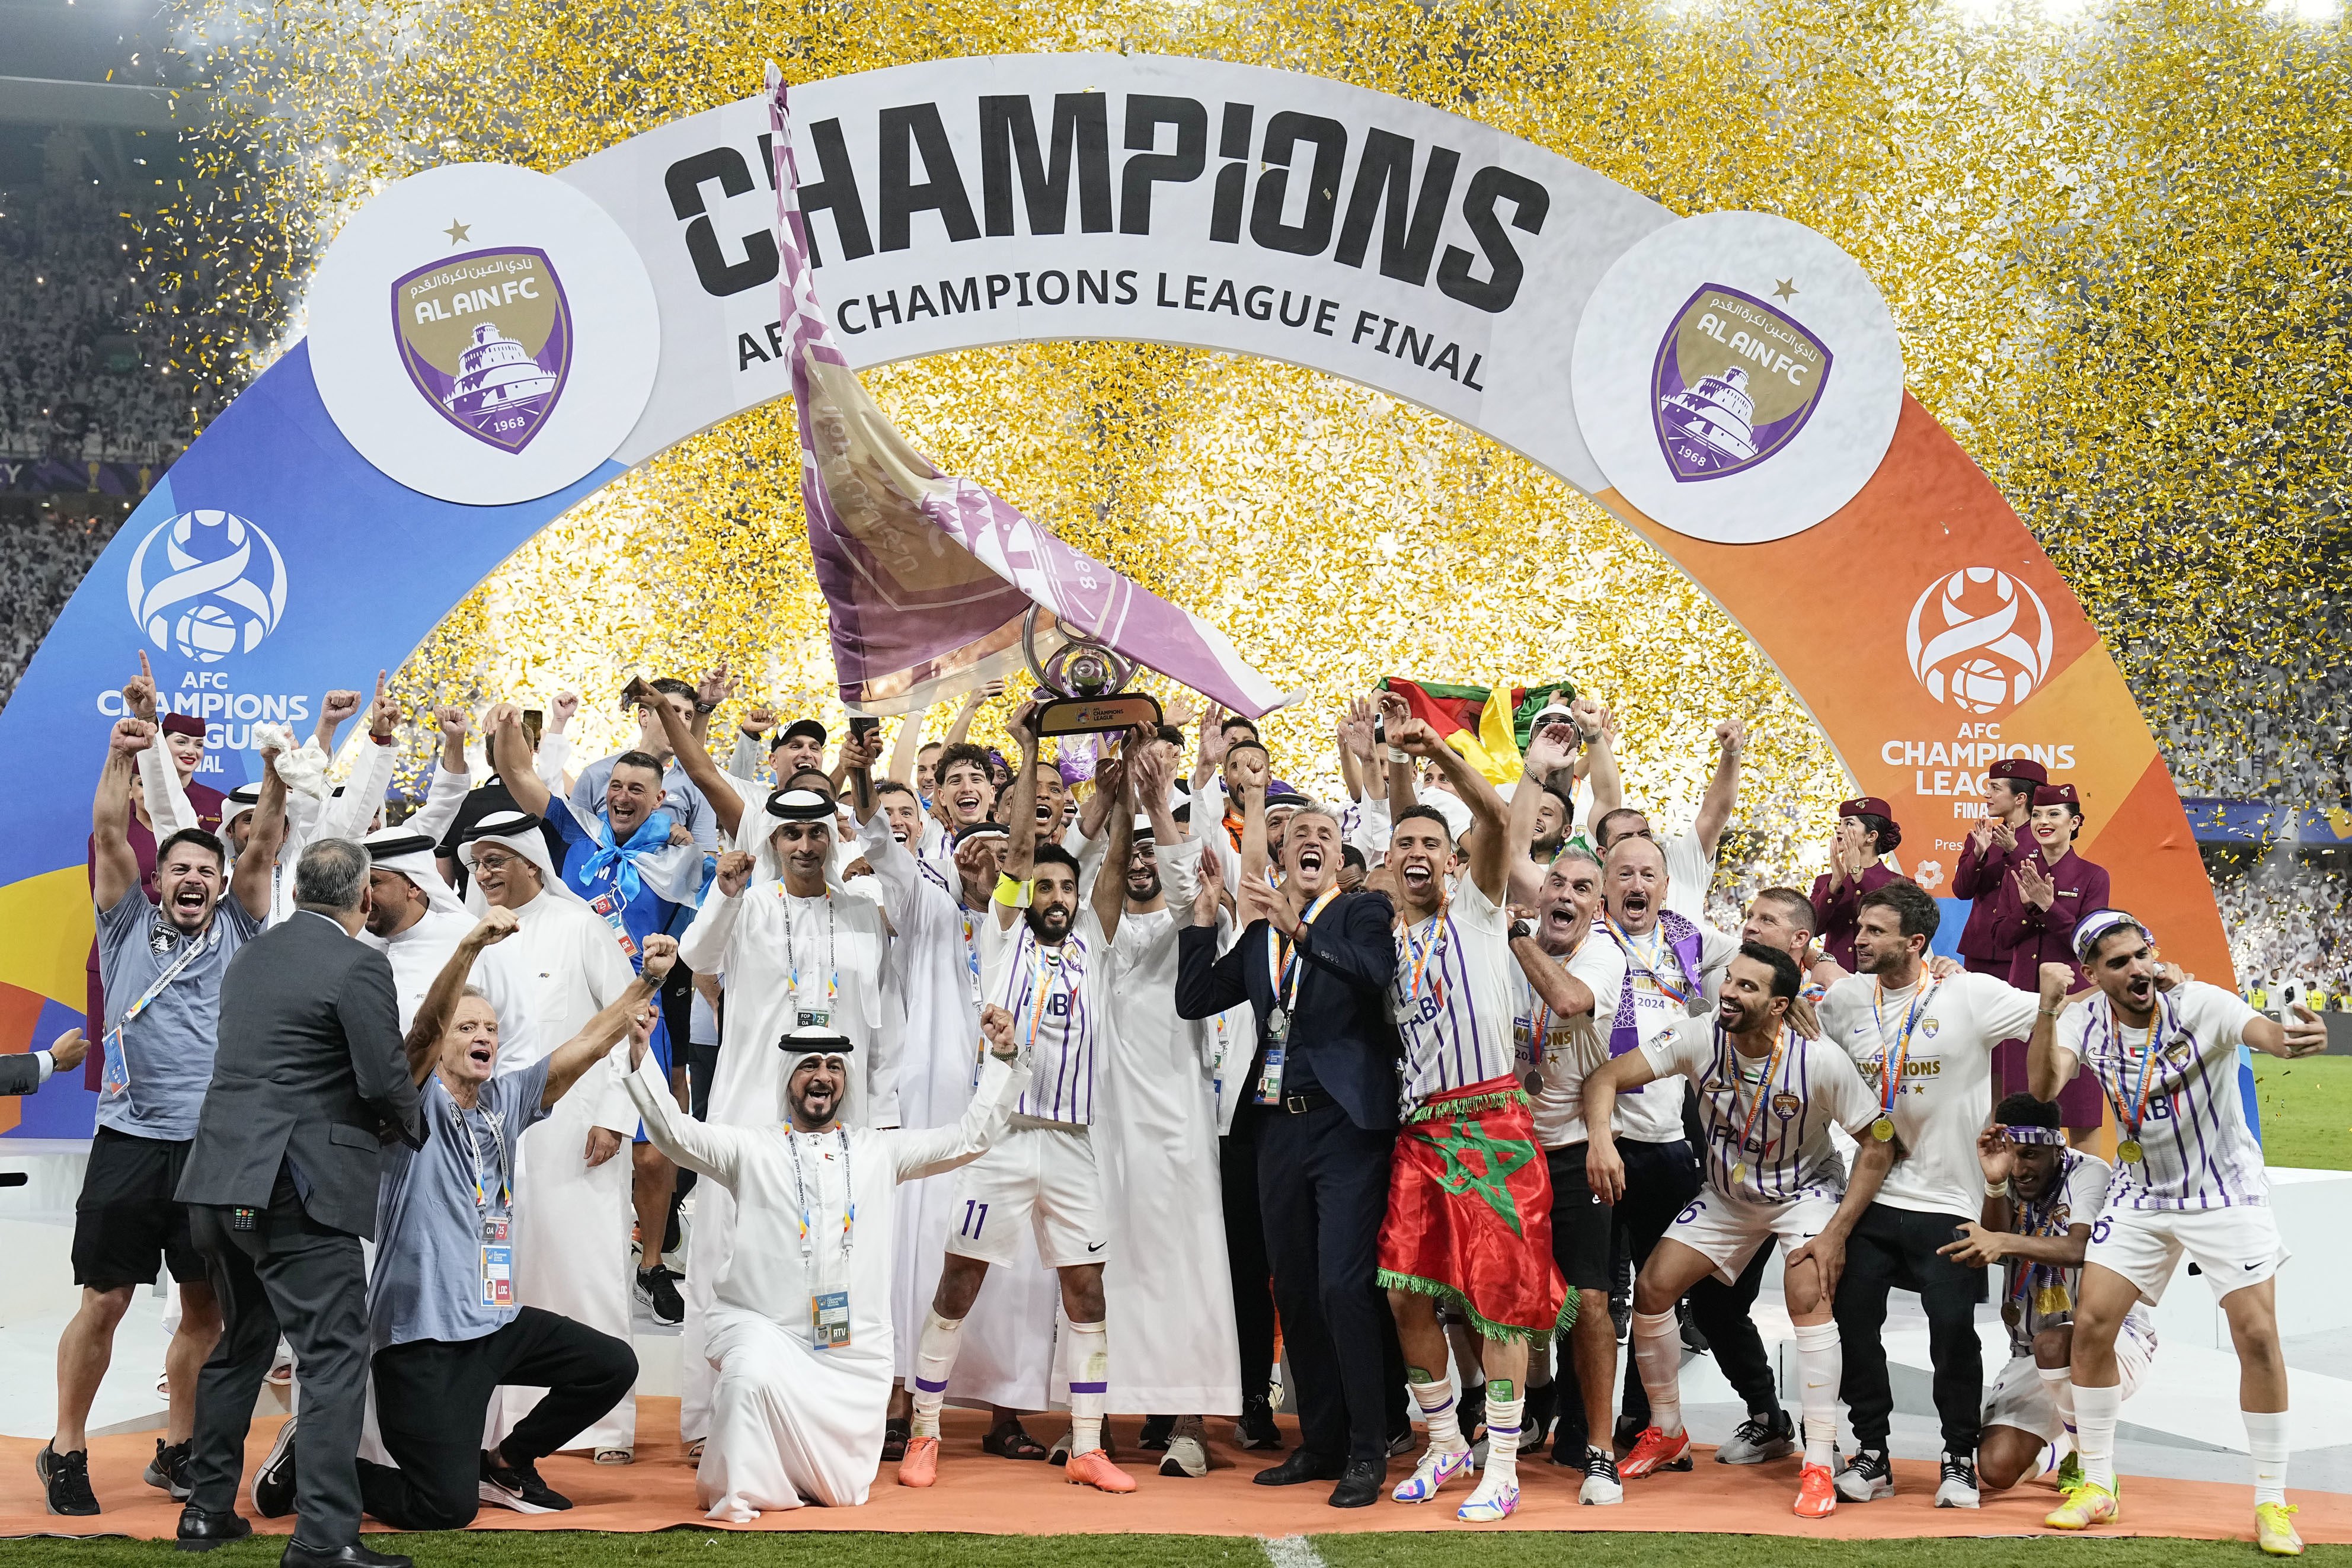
{"x": 799, "y": 1330}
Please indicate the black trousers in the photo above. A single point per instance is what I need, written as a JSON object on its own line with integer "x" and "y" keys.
{"x": 1660, "y": 1181}
{"x": 1724, "y": 1314}
{"x": 292, "y": 1275}
{"x": 701, "y": 1069}
{"x": 1323, "y": 1190}
{"x": 1245, "y": 1255}
{"x": 432, "y": 1394}
{"x": 1894, "y": 1248}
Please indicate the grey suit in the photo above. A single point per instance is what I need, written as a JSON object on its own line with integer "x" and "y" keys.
{"x": 20, "y": 1073}
{"x": 281, "y": 1183}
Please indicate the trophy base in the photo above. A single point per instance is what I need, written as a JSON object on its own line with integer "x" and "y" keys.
{"x": 1098, "y": 715}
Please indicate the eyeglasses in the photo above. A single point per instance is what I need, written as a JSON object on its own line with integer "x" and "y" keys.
{"x": 494, "y": 862}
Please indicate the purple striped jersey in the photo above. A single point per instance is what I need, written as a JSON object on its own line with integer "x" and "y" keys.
{"x": 1453, "y": 996}
{"x": 2196, "y": 1150}
{"x": 1767, "y": 1120}
{"x": 1054, "y": 992}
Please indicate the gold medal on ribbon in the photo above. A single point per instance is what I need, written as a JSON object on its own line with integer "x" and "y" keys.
{"x": 1883, "y": 1129}
{"x": 2129, "y": 1151}
{"x": 1738, "y": 1172}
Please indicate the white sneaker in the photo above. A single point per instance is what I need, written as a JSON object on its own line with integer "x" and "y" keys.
{"x": 1185, "y": 1457}
{"x": 1958, "y": 1487}
{"x": 1867, "y": 1477}
{"x": 1600, "y": 1486}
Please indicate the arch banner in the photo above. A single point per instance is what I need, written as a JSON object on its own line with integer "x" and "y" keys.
{"x": 490, "y": 345}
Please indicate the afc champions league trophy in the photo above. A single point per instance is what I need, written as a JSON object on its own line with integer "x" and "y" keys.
{"x": 1084, "y": 677}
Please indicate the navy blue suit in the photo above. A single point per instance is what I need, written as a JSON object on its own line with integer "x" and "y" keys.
{"x": 1323, "y": 1155}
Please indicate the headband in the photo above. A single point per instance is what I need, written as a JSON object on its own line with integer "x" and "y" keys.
{"x": 2100, "y": 923}
{"x": 2019, "y": 1133}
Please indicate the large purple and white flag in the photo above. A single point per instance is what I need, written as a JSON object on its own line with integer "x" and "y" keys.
{"x": 927, "y": 576}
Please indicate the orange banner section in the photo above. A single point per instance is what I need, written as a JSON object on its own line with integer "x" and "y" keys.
{"x": 1927, "y": 634}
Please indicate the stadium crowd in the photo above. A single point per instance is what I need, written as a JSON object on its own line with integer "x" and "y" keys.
{"x": 78, "y": 379}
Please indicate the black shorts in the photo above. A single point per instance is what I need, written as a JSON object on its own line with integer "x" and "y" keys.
{"x": 1581, "y": 1223}
{"x": 127, "y": 1217}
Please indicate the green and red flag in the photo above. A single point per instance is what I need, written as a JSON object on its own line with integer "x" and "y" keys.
{"x": 1489, "y": 727}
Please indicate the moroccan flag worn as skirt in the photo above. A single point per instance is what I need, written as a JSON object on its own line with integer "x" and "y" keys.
{"x": 1469, "y": 1216}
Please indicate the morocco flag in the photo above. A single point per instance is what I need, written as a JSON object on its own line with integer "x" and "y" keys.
{"x": 1488, "y": 725}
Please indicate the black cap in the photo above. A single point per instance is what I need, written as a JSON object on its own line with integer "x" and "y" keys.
{"x": 797, "y": 728}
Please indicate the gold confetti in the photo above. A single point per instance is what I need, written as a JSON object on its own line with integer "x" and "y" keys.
{"x": 2115, "y": 246}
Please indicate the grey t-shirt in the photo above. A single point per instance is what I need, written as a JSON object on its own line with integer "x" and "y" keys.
{"x": 427, "y": 1281}
{"x": 168, "y": 1048}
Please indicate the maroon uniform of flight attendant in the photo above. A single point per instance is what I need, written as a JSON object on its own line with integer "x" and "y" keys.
{"x": 1981, "y": 872}
{"x": 207, "y": 802}
{"x": 1837, "y": 915}
{"x": 2032, "y": 936}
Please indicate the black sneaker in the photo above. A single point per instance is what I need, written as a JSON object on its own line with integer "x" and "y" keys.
{"x": 518, "y": 1487}
{"x": 1535, "y": 1424}
{"x": 1759, "y": 1440}
{"x": 1157, "y": 1430}
{"x": 1869, "y": 1476}
{"x": 168, "y": 1471}
{"x": 66, "y": 1479}
{"x": 1470, "y": 1412}
{"x": 1957, "y": 1487}
{"x": 273, "y": 1483}
{"x": 1256, "y": 1429}
{"x": 658, "y": 1290}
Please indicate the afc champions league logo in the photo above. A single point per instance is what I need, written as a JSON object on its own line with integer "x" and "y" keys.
{"x": 217, "y": 586}
{"x": 1735, "y": 381}
{"x": 487, "y": 339}
{"x": 1980, "y": 640}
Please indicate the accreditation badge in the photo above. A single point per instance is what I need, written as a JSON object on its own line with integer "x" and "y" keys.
{"x": 1269, "y": 1083}
{"x": 497, "y": 1261}
{"x": 829, "y": 1320}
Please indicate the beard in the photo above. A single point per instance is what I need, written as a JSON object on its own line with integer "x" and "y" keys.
{"x": 1050, "y": 923}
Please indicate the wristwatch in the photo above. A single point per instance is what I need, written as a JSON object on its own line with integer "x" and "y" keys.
{"x": 702, "y": 706}
{"x": 1521, "y": 930}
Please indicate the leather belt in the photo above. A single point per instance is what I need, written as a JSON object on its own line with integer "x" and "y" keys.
{"x": 1299, "y": 1105}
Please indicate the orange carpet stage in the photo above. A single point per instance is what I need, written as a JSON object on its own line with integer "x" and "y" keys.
{"x": 995, "y": 1497}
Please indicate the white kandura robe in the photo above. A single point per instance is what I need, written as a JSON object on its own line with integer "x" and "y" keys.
{"x": 790, "y": 1424}
{"x": 1166, "y": 1284}
{"x": 1231, "y": 1040}
{"x": 742, "y": 940}
{"x": 1006, "y": 1353}
{"x": 417, "y": 956}
{"x": 572, "y": 1220}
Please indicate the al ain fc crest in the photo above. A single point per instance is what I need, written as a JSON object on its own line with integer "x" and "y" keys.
{"x": 487, "y": 339}
{"x": 1735, "y": 381}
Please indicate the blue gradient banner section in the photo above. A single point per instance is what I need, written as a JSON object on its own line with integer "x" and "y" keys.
{"x": 270, "y": 563}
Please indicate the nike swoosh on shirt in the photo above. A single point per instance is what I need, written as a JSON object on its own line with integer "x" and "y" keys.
{"x": 1099, "y": 1246}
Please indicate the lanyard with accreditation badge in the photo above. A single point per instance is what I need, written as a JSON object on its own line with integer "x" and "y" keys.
{"x": 498, "y": 1229}
{"x": 1282, "y": 964}
{"x": 829, "y": 1308}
